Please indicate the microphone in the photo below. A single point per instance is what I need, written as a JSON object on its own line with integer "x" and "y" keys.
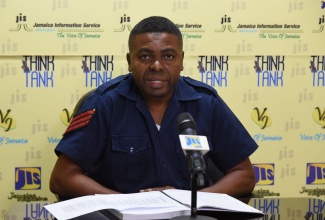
{"x": 193, "y": 145}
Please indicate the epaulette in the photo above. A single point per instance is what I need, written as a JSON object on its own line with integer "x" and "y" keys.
{"x": 110, "y": 84}
{"x": 200, "y": 85}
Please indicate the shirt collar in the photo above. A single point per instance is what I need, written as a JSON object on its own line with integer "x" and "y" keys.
{"x": 183, "y": 91}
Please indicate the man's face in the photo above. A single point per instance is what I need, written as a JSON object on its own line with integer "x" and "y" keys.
{"x": 155, "y": 60}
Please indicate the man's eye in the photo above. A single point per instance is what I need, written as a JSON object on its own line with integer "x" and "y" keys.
{"x": 169, "y": 57}
{"x": 145, "y": 57}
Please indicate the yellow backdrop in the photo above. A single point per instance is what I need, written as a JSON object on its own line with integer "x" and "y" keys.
{"x": 265, "y": 58}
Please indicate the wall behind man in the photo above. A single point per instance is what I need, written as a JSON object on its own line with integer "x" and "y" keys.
{"x": 265, "y": 58}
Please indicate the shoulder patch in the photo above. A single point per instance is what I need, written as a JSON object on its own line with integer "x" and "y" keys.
{"x": 80, "y": 120}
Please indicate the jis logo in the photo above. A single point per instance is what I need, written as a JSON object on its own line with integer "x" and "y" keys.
{"x": 27, "y": 178}
{"x": 225, "y": 21}
{"x": 315, "y": 173}
{"x": 21, "y": 23}
{"x": 125, "y": 23}
{"x": 264, "y": 174}
{"x": 193, "y": 142}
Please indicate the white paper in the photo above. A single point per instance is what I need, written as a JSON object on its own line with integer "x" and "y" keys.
{"x": 153, "y": 213}
{"x": 122, "y": 202}
{"x": 146, "y": 202}
{"x": 211, "y": 201}
{"x": 76, "y": 207}
{"x": 147, "y": 205}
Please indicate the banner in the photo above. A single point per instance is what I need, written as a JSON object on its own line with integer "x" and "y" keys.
{"x": 265, "y": 59}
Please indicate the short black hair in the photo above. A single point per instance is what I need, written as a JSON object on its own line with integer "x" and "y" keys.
{"x": 155, "y": 24}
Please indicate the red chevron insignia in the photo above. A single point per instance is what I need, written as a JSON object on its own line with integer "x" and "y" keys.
{"x": 80, "y": 121}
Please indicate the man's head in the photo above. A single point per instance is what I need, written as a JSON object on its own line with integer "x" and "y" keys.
{"x": 155, "y": 58}
{"x": 155, "y": 24}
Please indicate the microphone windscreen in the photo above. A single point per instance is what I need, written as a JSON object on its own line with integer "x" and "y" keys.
{"x": 185, "y": 121}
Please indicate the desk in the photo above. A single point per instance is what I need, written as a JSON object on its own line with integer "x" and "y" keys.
{"x": 275, "y": 208}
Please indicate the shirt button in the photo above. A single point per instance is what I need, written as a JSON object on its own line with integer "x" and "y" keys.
{"x": 164, "y": 165}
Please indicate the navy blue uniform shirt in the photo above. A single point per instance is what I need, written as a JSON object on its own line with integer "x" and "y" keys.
{"x": 120, "y": 147}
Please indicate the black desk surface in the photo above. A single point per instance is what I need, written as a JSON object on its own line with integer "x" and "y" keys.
{"x": 274, "y": 208}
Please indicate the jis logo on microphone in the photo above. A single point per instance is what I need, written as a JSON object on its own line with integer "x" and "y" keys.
{"x": 193, "y": 142}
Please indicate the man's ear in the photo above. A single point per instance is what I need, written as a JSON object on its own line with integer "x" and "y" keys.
{"x": 128, "y": 58}
{"x": 182, "y": 68}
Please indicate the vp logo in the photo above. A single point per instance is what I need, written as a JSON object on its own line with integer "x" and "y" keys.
{"x": 319, "y": 117}
{"x": 261, "y": 118}
{"x": 66, "y": 116}
{"x": 7, "y": 122}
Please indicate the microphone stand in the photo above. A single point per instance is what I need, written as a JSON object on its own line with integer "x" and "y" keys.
{"x": 197, "y": 178}
{"x": 194, "y": 187}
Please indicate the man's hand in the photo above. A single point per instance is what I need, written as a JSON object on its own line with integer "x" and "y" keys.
{"x": 237, "y": 182}
{"x": 69, "y": 180}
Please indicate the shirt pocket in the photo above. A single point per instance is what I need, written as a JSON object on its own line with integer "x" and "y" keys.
{"x": 133, "y": 155}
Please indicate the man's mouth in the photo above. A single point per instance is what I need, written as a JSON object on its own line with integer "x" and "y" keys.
{"x": 156, "y": 83}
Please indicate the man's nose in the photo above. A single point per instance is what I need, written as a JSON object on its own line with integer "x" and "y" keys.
{"x": 157, "y": 65}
